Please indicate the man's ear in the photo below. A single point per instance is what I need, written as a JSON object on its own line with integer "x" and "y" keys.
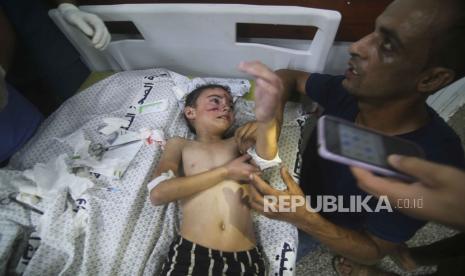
{"x": 435, "y": 79}
{"x": 189, "y": 112}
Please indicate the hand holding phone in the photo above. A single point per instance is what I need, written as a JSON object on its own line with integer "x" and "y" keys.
{"x": 344, "y": 142}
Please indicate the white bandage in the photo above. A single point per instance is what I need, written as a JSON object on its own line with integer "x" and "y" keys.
{"x": 157, "y": 180}
{"x": 262, "y": 163}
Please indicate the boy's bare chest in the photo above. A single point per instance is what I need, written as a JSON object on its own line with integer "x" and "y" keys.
{"x": 198, "y": 158}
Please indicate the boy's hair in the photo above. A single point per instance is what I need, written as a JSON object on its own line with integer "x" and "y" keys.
{"x": 191, "y": 99}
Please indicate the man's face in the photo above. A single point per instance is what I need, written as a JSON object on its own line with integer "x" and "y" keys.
{"x": 387, "y": 63}
{"x": 213, "y": 110}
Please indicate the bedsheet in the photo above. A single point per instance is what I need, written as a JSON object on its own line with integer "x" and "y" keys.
{"x": 112, "y": 228}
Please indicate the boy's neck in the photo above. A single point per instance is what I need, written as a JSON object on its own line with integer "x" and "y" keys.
{"x": 208, "y": 137}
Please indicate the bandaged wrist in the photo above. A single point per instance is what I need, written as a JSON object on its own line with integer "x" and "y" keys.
{"x": 157, "y": 180}
{"x": 262, "y": 163}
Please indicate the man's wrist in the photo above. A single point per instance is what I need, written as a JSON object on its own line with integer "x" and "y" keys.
{"x": 305, "y": 219}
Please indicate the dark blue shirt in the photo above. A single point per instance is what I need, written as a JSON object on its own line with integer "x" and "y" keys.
{"x": 324, "y": 177}
{"x": 18, "y": 122}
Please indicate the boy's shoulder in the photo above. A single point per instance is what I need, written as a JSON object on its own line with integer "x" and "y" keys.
{"x": 177, "y": 142}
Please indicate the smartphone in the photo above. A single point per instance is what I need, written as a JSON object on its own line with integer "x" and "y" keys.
{"x": 344, "y": 142}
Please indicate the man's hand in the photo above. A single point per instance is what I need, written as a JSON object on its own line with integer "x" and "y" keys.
{"x": 268, "y": 90}
{"x": 239, "y": 169}
{"x": 89, "y": 24}
{"x": 259, "y": 189}
{"x": 442, "y": 189}
{"x": 246, "y": 136}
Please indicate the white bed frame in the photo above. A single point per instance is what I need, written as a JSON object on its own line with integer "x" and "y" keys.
{"x": 200, "y": 39}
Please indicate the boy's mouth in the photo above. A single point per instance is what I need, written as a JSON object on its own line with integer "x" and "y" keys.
{"x": 224, "y": 117}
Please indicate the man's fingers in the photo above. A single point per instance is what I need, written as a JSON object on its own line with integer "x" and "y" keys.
{"x": 380, "y": 186}
{"x": 368, "y": 182}
{"x": 253, "y": 169}
{"x": 261, "y": 186}
{"x": 286, "y": 176}
{"x": 258, "y": 70}
{"x": 257, "y": 207}
{"x": 255, "y": 195}
{"x": 421, "y": 169}
{"x": 245, "y": 158}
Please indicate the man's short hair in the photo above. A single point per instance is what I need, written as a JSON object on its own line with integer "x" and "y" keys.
{"x": 448, "y": 48}
{"x": 191, "y": 99}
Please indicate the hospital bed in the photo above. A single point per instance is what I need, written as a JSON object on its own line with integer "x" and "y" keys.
{"x": 100, "y": 221}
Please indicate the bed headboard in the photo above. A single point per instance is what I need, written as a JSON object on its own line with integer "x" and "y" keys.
{"x": 200, "y": 39}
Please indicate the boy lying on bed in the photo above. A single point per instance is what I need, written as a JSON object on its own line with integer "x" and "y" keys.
{"x": 217, "y": 234}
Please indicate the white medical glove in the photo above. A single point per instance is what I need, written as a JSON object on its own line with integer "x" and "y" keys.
{"x": 3, "y": 92}
{"x": 88, "y": 23}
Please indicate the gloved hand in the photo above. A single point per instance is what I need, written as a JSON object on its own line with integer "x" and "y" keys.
{"x": 88, "y": 23}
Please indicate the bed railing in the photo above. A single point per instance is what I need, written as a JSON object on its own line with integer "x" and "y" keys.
{"x": 201, "y": 39}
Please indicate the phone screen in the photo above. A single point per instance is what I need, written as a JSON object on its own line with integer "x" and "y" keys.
{"x": 360, "y": 145}
{"x": 349, "y": 140}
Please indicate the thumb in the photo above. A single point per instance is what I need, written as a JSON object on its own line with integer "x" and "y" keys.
{"x": 245, "y": 157}
{"x": 286, "y": 176}
{"x": 425, "y": 171}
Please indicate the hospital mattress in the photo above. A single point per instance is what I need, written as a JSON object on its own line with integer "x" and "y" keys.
{"x": 112, "y": 228}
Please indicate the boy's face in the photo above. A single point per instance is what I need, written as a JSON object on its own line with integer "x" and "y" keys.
{"x": 213, "y": 110}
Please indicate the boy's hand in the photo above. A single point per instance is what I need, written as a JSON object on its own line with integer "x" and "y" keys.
{"x": 239, "y": 169}
{"x": 268, "y": 90}
{"x": 246, "y": 136}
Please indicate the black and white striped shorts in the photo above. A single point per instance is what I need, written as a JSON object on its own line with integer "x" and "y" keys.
{"x": 187, "y": 258}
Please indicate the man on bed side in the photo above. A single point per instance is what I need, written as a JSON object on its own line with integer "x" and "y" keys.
{"x": 415, "y": 49}
{"x": 205, "y": 175}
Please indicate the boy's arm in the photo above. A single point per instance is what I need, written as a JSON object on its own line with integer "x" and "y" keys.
{"x": 274, "y": 89}
{"x": 267, "y": 139}
{"x": 179, "y": 187}
{"x": 268, "y": 108}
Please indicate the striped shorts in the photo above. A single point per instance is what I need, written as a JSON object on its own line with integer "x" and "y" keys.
{"x": 187, "y": 258}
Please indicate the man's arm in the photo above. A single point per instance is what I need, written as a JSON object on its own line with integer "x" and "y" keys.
{"x": 359, "y": 246}
{"x": 183, "y": 186}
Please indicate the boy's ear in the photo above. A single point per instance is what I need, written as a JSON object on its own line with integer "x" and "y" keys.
{"x": 435, "y": 79}
{"x": 189, "y": 112}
